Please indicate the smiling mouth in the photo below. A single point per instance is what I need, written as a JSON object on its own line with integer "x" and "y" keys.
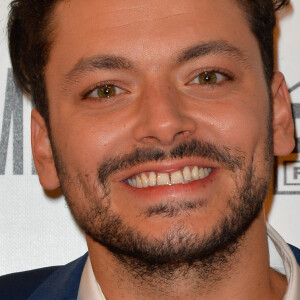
{"x": 182, "y": 176}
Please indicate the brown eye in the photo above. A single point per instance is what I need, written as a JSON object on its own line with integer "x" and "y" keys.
{"x": 209, "y": 78}
{"x": 104, "y": 91}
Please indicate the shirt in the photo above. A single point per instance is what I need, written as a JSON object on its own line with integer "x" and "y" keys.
{"x": 281, "y": 256}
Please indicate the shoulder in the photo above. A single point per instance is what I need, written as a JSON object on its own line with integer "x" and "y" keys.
{"x": 59, "y": 282}
{"x": 296, "y": 252}
{"x": 21, "y": 285}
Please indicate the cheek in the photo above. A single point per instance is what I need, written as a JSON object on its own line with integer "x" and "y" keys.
{"x": 248, "y": 132}
{"x": 85, "y": 140}
{"x": 238, "y": 125}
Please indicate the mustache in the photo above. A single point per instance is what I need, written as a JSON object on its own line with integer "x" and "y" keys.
{"x": 194, "y": 148}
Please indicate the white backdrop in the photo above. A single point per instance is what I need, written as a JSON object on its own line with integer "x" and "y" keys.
{"x": 36, "y": 229}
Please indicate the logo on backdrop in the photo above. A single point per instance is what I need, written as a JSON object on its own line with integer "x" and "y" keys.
{"x": 12, "y": 124}
{"x": 287, "y": 173}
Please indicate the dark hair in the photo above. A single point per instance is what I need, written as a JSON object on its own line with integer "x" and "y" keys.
{"x": 31, "y": 28}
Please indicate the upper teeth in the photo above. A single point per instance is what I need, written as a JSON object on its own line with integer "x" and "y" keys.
{"x": 187, "y": 174}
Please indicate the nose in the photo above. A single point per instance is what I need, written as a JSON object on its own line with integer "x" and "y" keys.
{"x": 163, "y": 117}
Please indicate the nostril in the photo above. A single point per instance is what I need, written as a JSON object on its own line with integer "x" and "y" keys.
{"x": 150, "y": 138}
{"x": 184, "y": 132}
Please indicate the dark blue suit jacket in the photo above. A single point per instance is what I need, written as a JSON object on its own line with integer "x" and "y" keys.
{"x": 52, "y": 283}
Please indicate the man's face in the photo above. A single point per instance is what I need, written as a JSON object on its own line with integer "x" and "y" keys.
{"x": 149, "y": 90}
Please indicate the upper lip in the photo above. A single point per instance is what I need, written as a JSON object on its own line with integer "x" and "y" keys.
{"x": 165, "y": 166}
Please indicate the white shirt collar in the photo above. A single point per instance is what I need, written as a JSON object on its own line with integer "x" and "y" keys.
{"x": 282, "y": 260}
{"x": 89, "y": 287}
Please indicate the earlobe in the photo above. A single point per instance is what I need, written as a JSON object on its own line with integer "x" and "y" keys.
{"x": 283, "y": 124}
{"x": 42, "y": 152}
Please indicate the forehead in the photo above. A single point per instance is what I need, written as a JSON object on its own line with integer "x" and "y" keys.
{"x": 150, "y": 32}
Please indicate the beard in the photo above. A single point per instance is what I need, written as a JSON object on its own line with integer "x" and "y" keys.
{"x": 178, "y": 250}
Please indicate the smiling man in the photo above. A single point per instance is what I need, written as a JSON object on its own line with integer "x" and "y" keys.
{"x": 159, "y": 120}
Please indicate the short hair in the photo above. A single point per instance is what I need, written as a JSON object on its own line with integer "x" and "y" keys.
{"x": 30, "y": 34}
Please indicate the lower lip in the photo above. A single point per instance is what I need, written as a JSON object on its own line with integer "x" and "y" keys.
{"x": 175, "y": 190}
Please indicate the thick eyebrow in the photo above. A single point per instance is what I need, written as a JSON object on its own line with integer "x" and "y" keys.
{"x": 212, "y": 47}
{"x": 91, "y": 64}
{"x": 111, "y": 62}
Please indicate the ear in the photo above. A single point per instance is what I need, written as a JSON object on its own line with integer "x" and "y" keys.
{"x": 283, "y": 123}
{"x": 42, "y": 152}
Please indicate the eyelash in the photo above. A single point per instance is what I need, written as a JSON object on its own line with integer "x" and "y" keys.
{"x": 85, "y": 93}
{"x": 228, "y": 77}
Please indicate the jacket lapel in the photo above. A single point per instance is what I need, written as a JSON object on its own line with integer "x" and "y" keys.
{"x": 63, "y": 283}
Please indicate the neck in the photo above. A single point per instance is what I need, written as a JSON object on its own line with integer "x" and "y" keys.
{"x": 241, "y": 271}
